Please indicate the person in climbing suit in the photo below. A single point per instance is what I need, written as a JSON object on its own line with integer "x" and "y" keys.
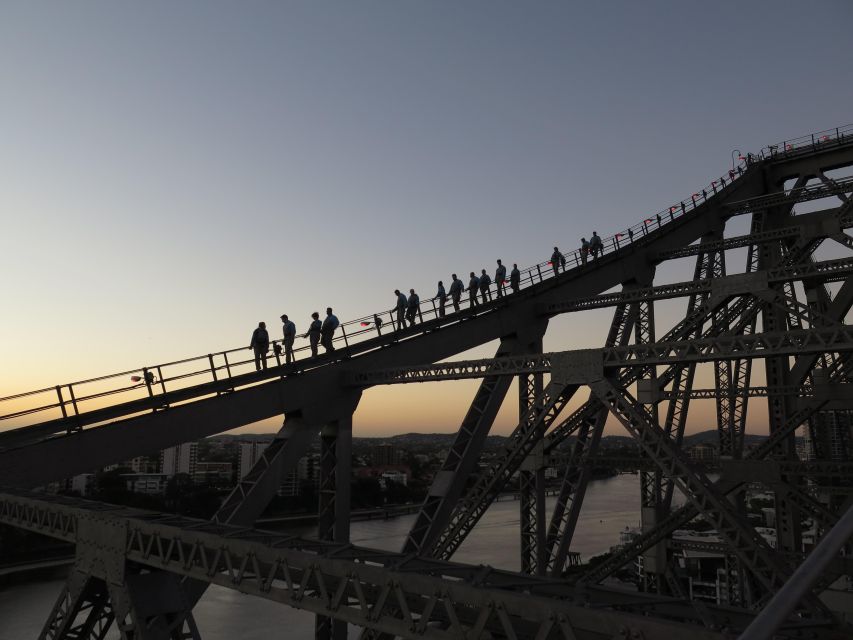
{"x": 260, "y": 344}
{"x": 314, "y": 333}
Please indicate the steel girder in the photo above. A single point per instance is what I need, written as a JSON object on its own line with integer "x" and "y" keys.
{"x": 727, "y": 347}
{"x": 333, "y": 516}
{"x": 714, "y": 283}
{"x": 389, "y": 592}
{"x": 531, "y": 477}
{"x": 798, "y": 193}
{"x": 810, "y": 225}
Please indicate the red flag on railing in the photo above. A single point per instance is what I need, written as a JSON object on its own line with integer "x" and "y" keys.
{"x": 365, "y": 324}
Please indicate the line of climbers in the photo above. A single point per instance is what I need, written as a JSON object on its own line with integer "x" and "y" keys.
{"x": 408, "y": 308}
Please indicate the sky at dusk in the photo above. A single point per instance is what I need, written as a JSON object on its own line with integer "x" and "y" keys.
{"x": 173, "y": 173}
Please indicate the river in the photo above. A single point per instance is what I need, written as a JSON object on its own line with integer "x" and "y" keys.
{"x": 223, "y": 614}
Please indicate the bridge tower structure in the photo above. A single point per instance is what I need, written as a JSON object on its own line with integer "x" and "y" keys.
{"x": 143, "y": 572}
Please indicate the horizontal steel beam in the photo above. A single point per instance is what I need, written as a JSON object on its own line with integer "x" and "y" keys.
{"x": 385, "y": 591}
{"x": 825, "y": 271}
{"x": 802, "y": 194}
{"x": 588, "y": 365}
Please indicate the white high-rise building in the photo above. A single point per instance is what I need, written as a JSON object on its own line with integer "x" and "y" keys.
{"x": 180, "y": 459}
{"x": 250, "y": 453}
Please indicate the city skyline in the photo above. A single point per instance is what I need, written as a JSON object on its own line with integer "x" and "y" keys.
{"x": 174, "y": 176}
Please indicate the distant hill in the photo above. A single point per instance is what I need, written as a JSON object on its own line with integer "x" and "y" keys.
{"x": 442, "y": 440}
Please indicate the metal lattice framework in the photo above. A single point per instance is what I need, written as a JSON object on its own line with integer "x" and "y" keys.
{"x": 786, "y": 311}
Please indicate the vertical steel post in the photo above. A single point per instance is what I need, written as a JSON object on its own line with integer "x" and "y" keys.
{"x": 531, "y": 479}
{"x": 334, "y": 508}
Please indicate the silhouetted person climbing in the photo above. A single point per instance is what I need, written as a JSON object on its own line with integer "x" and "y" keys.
{"x": 485, "y": 283}
{"x": 327, "y": 330}
{"x": 314, "y": 333}
{"x": 412, "y": 307}
{"x": 595, "y": 246}
{"x": 515, "y": 278}
{"x": 289, "y": 331}
{"x": 557, "y": 260}
{"x": 500, "y": 278}
{"x": 456, "y": 288}
{"x": 473, "y": 288}
{"x": 401, "y": 309}
{"x": 377, "y": 322}
{"x": 441, "y": 296}
{"x": 584, "y": 250}
{"x": 260, "y": 344}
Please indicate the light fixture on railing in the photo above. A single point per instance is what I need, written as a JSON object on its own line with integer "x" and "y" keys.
{"x": 149, "y": 378}
{"x": 739, "y": 153}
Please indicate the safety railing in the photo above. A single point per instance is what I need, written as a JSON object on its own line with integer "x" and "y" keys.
{"x": 153, "y": 382}
{"x": 809, "y": 143}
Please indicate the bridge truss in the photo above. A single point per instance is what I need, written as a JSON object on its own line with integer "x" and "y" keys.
{"x": 777, "y": 330}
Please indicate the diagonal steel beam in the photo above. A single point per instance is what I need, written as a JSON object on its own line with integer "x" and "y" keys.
{"x": 449, "y": 482}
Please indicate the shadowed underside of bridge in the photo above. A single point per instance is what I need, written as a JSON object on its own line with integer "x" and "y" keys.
{"x": 786, "y": 308}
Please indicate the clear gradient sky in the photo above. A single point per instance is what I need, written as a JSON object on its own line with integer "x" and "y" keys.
{"x": 172, "y": 173}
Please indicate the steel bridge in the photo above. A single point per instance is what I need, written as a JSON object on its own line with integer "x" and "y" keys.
{"x": 143, "y": 572}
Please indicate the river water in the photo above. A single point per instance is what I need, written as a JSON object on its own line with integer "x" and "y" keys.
{"x": 223, "y": 614}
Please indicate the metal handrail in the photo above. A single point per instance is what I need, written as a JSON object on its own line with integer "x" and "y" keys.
{"x": 352, "y": 331}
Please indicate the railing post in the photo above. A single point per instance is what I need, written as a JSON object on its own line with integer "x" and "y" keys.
{"x": 540, "y": 272}
{"x": 61, "y": 401}
{"x": 344, "y": 333}
{"x": 162, "y": 382}
{"x": 212, "y": 368}
{"x": 73, "y": 400}
{"x": 813, "y": 142}
{"x": 227, "y": 365}
{"x": 277, "y": 355}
